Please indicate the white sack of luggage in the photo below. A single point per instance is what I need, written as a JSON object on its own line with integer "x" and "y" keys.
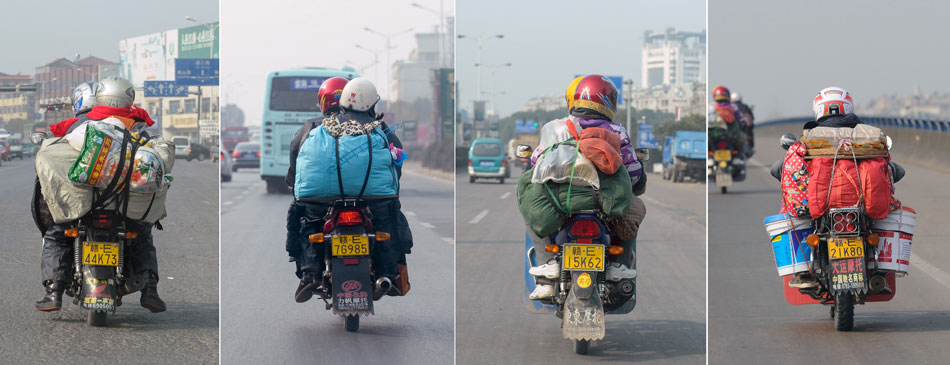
{"x": 69, "y": 201}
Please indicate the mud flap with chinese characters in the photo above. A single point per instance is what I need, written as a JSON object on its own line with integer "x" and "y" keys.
{"x": 98, "y": 288}
{"x": 352, "y": 289}
{"x": 583, "y": 310}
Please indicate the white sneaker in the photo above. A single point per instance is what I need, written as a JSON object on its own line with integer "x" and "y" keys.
{"x": 617, "y": 272}
{"x": 542, "y": 291}
{"x": 550, "y": 271}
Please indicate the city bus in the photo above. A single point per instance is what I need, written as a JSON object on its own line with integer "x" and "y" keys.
{"x": 231, "y": 136}
{"x": 289, "y": 101}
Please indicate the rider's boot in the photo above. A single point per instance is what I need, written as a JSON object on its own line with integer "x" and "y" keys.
{"x": 53, "y": 300}
{"x": 149, "y": 299}
{"x": 305, "y": 289}
{"x": 803, "y": 280}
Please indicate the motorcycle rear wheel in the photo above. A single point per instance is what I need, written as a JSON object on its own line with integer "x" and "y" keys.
{"x": 96, "y": 318}
{"x": 844, "y": 311}
{"x": 351, "y": 323}
{"x": 581, "y": 346}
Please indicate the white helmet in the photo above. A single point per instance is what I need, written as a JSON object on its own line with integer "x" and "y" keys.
{"x": 736, "y": 96}
{"x": 84, "y": 97}
{"x": 115, "y": 92}
{"x": 359, "y": 94}
{"x": 832, "y": 101}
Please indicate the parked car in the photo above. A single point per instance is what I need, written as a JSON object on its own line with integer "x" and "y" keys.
{"x": 188, "y": 150}
{"x": 226, "y": 165}
{"x": 246, "y": 154}
{"x": 486, "y": 159}
{"x": 16, "y": 148}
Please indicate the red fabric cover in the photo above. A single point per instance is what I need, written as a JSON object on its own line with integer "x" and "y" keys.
{"x": 602, "y": 148}
{"x": 795, "y": 182}
{"x": 727, "y": 114}
{"x": 60, "y": 129}
{"x": 846, "y": 187}
{"x": 100, "y": 112}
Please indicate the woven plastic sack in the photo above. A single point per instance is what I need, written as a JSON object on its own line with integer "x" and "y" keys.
{"x": 99, "y": 156}
{"x": 564, "y": 164}
{"x": 148, "y": 172}
{"x": 317, "y": 165}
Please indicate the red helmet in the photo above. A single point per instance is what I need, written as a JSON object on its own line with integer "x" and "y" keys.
{"x": 720, "y": 93}
{"x": 329, "y": 94}
{"x": 832, "y": 101}
{"x": 597, "y": 93}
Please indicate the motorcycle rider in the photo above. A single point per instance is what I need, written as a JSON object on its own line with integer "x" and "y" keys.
{"x": 746, "y": 111}
{"x": 113, "y": 97}
{"x": 736, "y": 124}
{"x": 389, "y": 259}
{"x": 592, "y": 102}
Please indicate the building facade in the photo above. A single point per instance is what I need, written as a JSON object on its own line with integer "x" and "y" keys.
{"x": 679, "y": 100}
{"x": 57, "y": 79}
{"x": 673, "y": 58}
{"x": 16, "y": 107}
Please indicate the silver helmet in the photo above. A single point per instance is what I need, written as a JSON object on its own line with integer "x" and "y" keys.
{"x": 115, "y": 92}
{"x": 84, "y": 97}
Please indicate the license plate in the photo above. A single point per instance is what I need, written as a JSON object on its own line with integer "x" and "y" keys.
{"x": 584, "y": 257}
{"x": 100, "y": 253}
{"x": 350, "y": 245}
{"x": 845, "y": 248}
{"x": 488, "y": 163}
{"x": 722, "y": 155}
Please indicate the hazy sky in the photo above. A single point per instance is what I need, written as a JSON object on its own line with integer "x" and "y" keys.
{"x": 548, "y": 42}
{"x": 256, "y": 40}
{"x": 37, "y": 32}
{"x": 780, "y": 54}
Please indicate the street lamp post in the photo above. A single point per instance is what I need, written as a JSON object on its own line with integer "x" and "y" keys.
{"x": 441, "y": 32}
{"x": 388, "y": 37}
{"x": 375, "y": 59}
{"x": 492, "y": 68}
{"x": 480, "y": 40}
{"x": 629, "y": 100}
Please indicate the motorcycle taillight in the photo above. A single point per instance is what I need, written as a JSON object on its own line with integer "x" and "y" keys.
{"x": 722, "y": 145}
{"x": 349, "y": 218}
{"x": 845, "y": 222}
{"x": 584, "y": 228}
{"x": 102, "y": 221}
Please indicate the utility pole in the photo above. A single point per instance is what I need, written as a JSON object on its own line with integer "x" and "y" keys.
{"x": 629, "y": 100}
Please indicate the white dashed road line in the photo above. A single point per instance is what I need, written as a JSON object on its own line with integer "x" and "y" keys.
{"x": 427, "y": 225}
{"x": 918, "y": 263}
{"x": 505, "y": 195}
{"x": 448, "y": 240}
{"x": 479, "y": 217}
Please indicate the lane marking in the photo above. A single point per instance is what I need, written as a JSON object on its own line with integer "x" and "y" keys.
{"x": 228, "y": 202}
{"x": 939, "y": 275}
{"x": 427, "y": 225}
{"x": 505, "y": 195}
{"x": 448, "y": 240}
{"x": 478, "y": 218}
{"x": 411, "y": 214}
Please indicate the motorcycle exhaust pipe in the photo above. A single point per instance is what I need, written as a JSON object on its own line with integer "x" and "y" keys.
{"x": 878, "y": 284}
{"x": 383, "y": 285}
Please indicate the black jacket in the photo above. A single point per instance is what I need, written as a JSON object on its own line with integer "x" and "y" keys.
{"x": 849, "y": 120}
{"x": 301, "y": 136}
{"x": 745, "y": 109}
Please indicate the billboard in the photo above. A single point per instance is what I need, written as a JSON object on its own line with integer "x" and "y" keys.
{"x": 164, "y": 89}
{"x": 200, "y": 72}
{"x": 446, "y": 102}
{"x": 142, "y": 58}
{"x": 200, "y": 41}
{"x": 645, "y": 138}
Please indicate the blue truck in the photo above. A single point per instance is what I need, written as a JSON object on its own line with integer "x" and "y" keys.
{"x": 684, "y": 155}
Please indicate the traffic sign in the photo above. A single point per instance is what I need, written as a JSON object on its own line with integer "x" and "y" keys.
{"x": 161, "y": 89}
{"x": 202, "y": 72}
{"x": 645, "y": 138}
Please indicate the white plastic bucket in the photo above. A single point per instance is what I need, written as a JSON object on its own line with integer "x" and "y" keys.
{"x": 898, "y": 220}
{"x": 893, "y": 251}
{"x": 789, "y": 247}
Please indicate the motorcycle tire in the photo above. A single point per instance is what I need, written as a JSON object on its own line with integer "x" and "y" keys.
{"x": 581, "y": 346}
{"x": 96, "y": 318}
{"x": 351, "y": 323}
{"x": 844, "y": 311}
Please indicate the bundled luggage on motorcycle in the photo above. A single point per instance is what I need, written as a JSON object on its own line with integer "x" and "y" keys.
{"x": 545, "y": 207}
{"x": 787, "y": 234}
{"x": 350, "y": 165}
{"x": 100, "y": 155}
{"x": 896, "y": 233}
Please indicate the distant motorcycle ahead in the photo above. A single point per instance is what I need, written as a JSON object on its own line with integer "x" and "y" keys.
{"x": 720, "y": 163}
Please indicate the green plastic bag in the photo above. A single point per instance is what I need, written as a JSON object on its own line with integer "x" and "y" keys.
{"x": 544, "y": 214}
{"x": 99, "y": 156}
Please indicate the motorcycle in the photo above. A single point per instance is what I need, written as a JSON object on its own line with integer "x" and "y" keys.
{"x": 349, "y": 282}
{"x": 721, "y": 166}
{"x": 843, "y": 261}
{"x": 583, "y": 296}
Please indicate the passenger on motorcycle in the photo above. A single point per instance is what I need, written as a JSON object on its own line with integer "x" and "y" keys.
{"x": 356, "y": 109}
{"x": 592, "y": 102}
{"x": 746, "y": 112}
{"x": 113, "y": 97}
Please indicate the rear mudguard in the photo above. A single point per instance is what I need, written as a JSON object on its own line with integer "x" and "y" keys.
{"x": 583, "y": 310}
{"x": 352, "y": 286}
{"x": 98, "y": 288}
{"x": 535, "y": 306}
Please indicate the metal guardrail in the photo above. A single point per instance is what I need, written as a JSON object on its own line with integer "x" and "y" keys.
{"x": 925, "y": 124}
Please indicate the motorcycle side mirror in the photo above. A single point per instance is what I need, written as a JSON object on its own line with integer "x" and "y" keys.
{"x": 37, "y": 138}
{"x": 889, "y": 142}
{"x": 643, "y": 154}
{"x": 787, "y": 140}
{"x": 524, "y": 151}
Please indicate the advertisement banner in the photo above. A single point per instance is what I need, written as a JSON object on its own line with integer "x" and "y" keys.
{"x": 171, "y": 53}
{"x": 200, "y": 41}
{"x": 184, "y": 121}
{"x": 142, "y": 58}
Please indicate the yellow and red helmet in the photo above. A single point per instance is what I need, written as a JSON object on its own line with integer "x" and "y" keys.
{"x": 569, "y": 94}
{"x": 597, "y": 93}
{"x": 330, "y": 92}
{"x": 720, "y": 93}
